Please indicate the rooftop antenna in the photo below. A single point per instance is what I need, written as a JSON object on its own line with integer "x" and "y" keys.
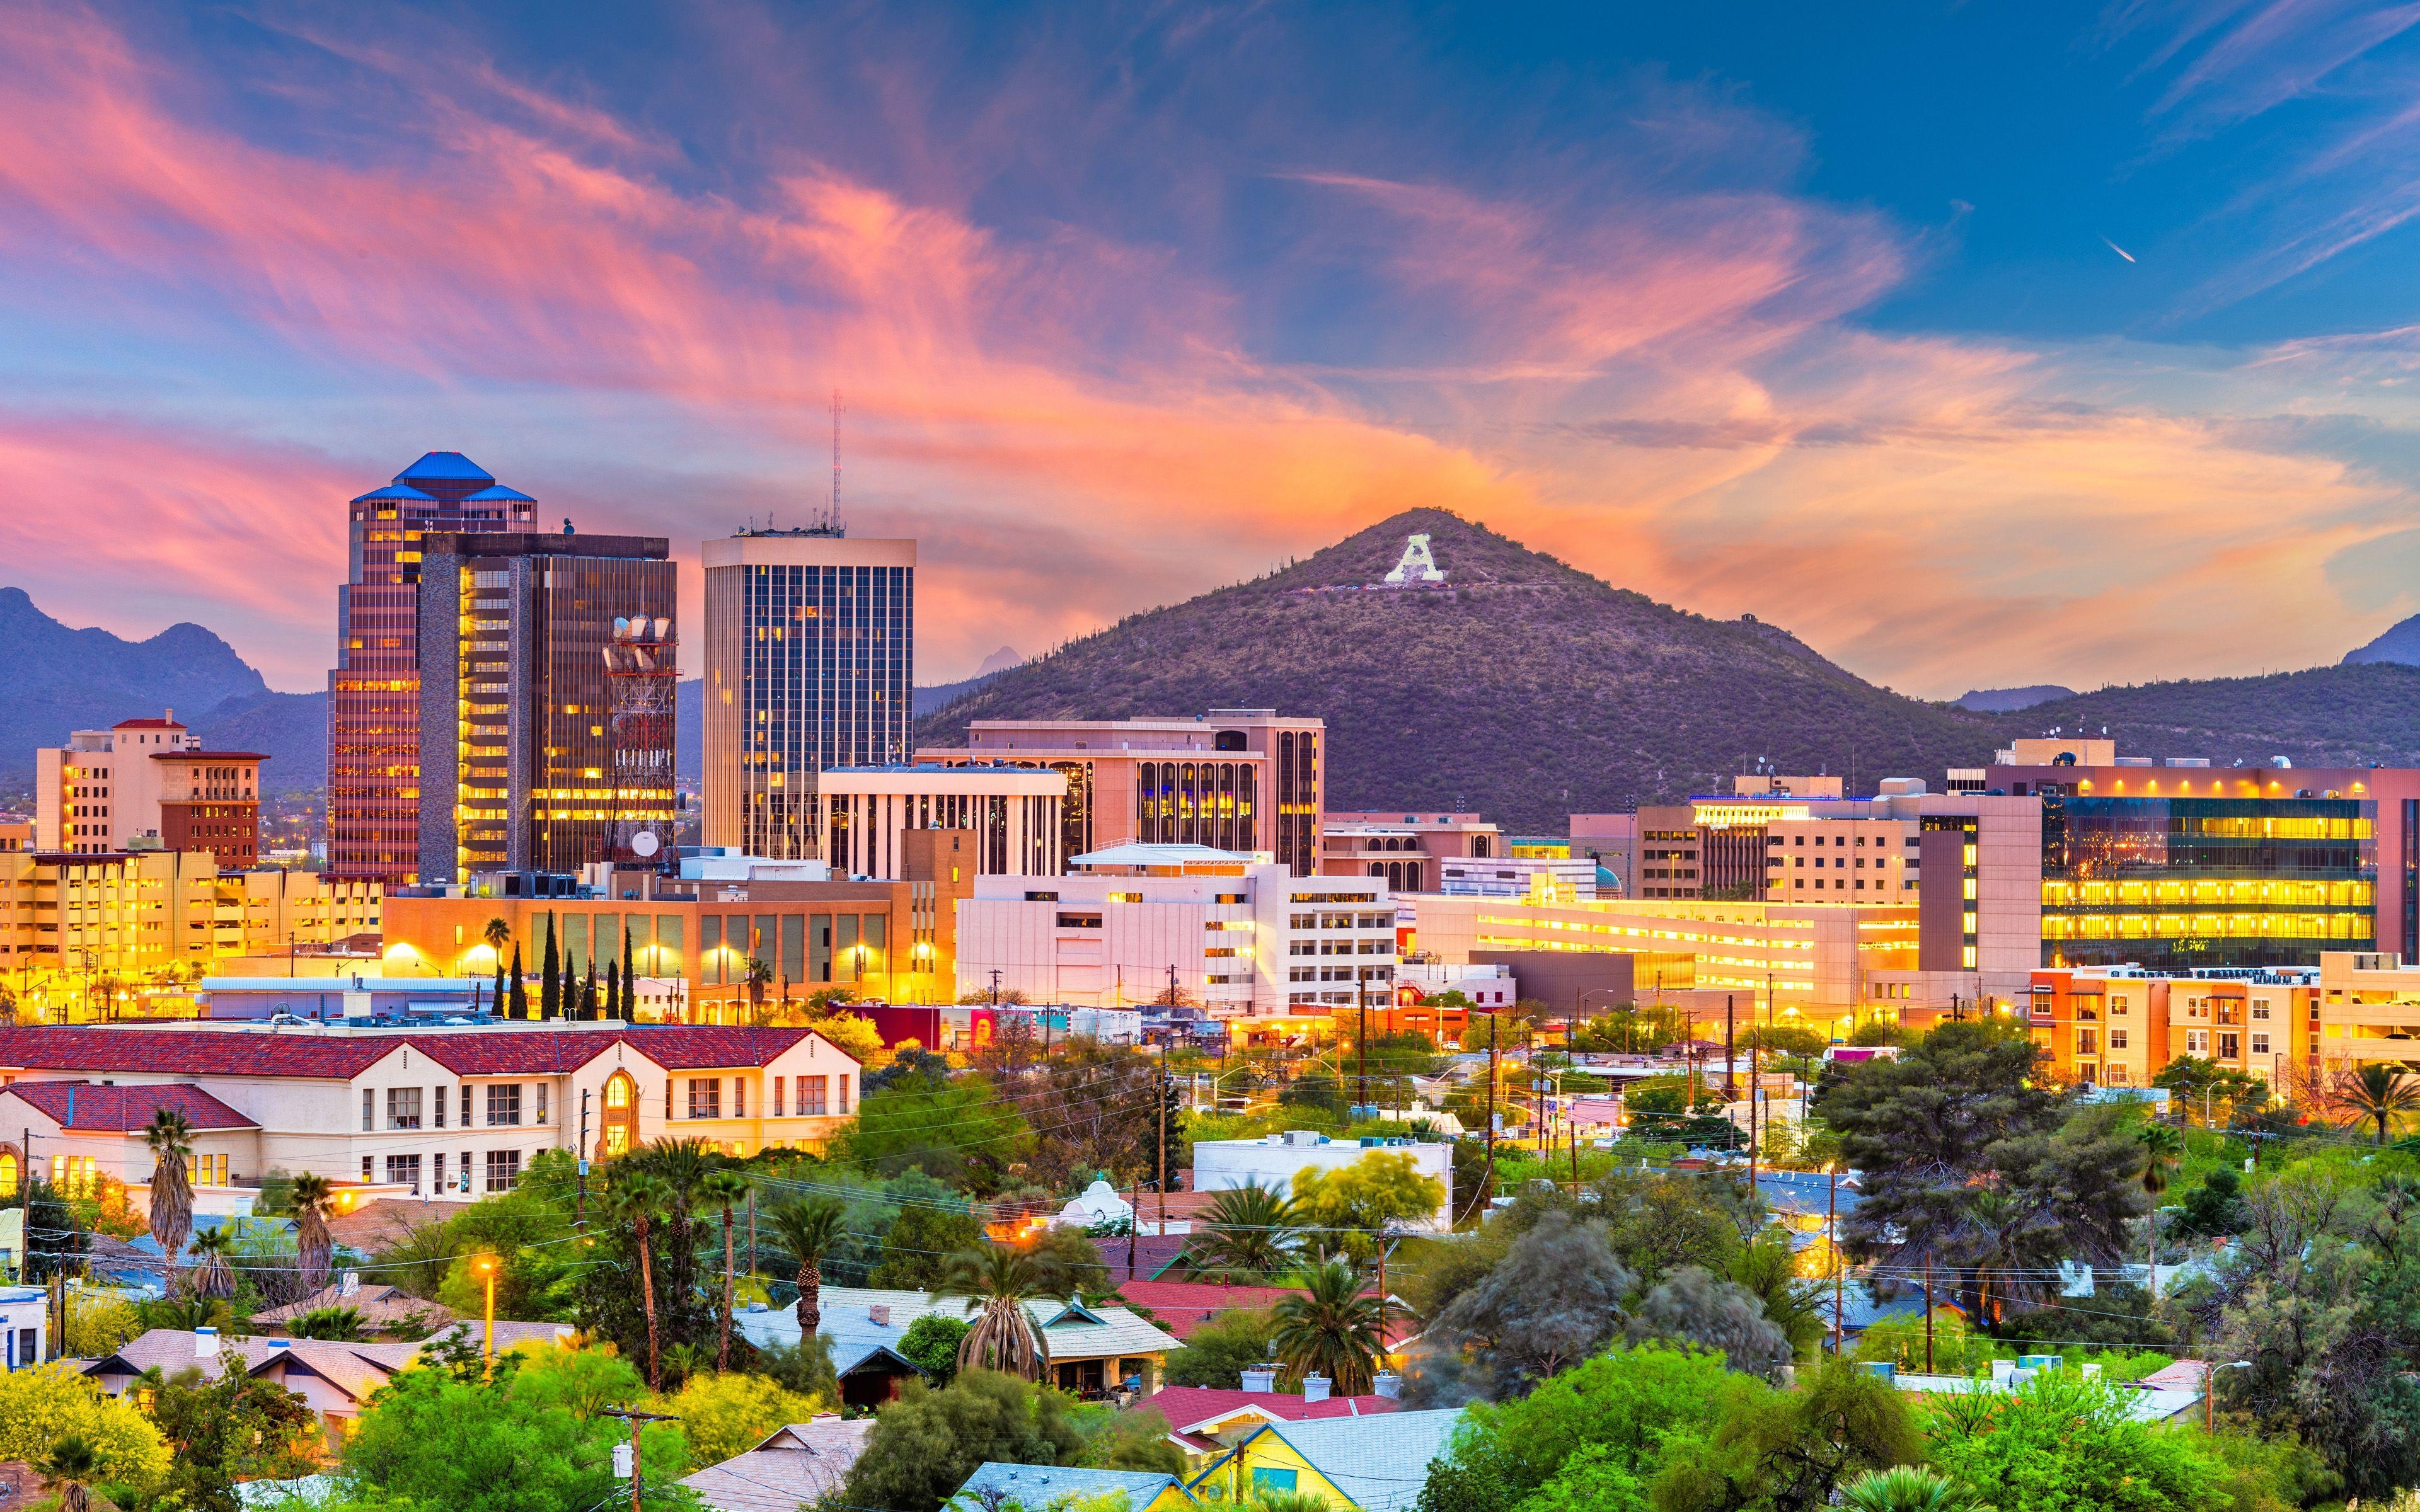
{"x": 834, "y": 520}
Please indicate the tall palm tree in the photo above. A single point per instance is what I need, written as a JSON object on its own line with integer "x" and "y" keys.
{"x": 1252, "y": 1234}
{"x": 312, "y": 1243}
{"x": 213, "y": 1275}
{"x": 72, "y": 1466}
{"x": 637, "y": 1199}
{"x": 2378, "y": 1091}
{"x": 999, "y": 1280}
{"x": 2163, "y": 1149}
{"x": 498, "y": 934}
{"x": 170, "y": 1135}
{"x": 1332, "y": 1329}
{"x": 809, "y": 1230}
{"x": 727, "y": 1189}
{"x": 1905, "y": 1488}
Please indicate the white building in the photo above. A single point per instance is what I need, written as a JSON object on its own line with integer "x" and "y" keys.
{"x": 1272, "y": 1162}
{"x": 459, "y": 1109}
{"x": 1514, "y": 876}
{"x": 1238, "y": 934}
{"x": 1013, "y": 810}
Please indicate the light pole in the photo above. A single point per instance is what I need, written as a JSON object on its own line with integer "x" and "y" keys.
{"x": 485, "y": 1266}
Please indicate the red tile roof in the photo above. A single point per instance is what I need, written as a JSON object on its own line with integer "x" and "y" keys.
{"x": 149, "y": 724}
{"x": 195, "y": 754}
{"x": 1189, "y": 1407}
{"x": 1183, "y": 1307}
{"x": 125, "y": 1108}
{"x": 480, "y": 1052}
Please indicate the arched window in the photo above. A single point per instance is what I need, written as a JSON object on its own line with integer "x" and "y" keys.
{"x": 11, "y": 1171}
{"x": 618, "y": 1132}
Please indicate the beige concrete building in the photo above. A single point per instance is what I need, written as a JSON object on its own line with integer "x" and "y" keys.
{"x": 864, "y": 813}
{"x": 810, "y": 664}
{"x": 147, "y": 784}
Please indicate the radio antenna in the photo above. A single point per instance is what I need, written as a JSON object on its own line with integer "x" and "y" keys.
{"x": 834, "y": 519}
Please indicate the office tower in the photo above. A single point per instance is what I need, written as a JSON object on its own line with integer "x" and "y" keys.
{"x": 527, "y": 650}
{"x": 1234, "y": 779}
{"x": 810, "y": 665}
{"x": 374, "y": 692}
{"x": 147, "y": 784}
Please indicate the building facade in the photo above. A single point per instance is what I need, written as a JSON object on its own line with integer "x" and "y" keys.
{"x": 1237, "y": 936}
{"x": 374, "y": 692}
{"x": 523, "y": 763}
{"x": 864, "y": 814}
{"x": 2119, "y": 1025}
{"x": 1231, "y": 780}
{"x": 810, "y": 664}
{"x": 2181, "y": 866}
{"x": 147, "y": 783}
{"x": 1409, "y": 850}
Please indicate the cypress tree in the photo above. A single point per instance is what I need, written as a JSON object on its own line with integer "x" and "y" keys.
{"x": 549, "y": 993}
{"x": 519, "y": 1007}
{"x": 588, "y": 992}
{"x": 612, "y": 988}
{"x": 629, "y": 983}
{"x": 496, "y": 1003}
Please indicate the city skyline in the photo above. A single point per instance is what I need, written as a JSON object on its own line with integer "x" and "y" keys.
{"x": 1126, "y": 308}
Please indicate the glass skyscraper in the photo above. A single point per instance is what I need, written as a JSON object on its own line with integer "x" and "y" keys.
{"x": 809, "y": 662}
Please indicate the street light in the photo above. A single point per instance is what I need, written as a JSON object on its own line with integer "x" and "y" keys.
{"x": 485, "y": 1266}
{"x": 2210, "y": 1392}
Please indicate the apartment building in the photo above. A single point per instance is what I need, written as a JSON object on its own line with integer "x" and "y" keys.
{"x": 454, "y": 1110}
{"x": 1409, "y": 850}
{"x": 1232, "y": 780}
{"x": 1240, "y": 936}
{"x": 147, "y": 784}
{"x": 2119, "y": 1025}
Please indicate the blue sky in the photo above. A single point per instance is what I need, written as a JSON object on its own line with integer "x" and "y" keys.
{"x": 1808, "y": 312}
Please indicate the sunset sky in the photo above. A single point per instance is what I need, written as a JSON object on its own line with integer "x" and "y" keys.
{"x": 1976, "y": 344}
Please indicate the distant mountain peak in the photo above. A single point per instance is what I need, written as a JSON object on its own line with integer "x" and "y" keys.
{"x": 999, "y": 662}
{"x": 2400, "y": 643}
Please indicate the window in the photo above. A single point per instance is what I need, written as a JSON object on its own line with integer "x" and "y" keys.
{"x": 843, "y": 1082}
{"x": 2198, "y": 1042}
{"x": 2230, "y": 1046}
{"x": 2117, "y": 1008}
{"x": 437, "y": 1116}
{"x": 504, "y": 1169}
{"x": 706, "y": 1096}
{"x": 780, "y": 1085}
{"x": 369, "y": 1113}
{"x": 404, "y": 1171}
{"x": 2116, "y": 1039}
{"x": 366, "y": 1162}
{"x": 740, "y": 1097}
{"x": 2260, "y": 1011}
{"x": 811, "y": 1096}
{"x": 403, "y": 1107}
{"x": 503, "y": 1105}
{"x": 1080, "y": 921}
{"x": 2259, "y": 1042}
{"x": 1264, "y": 1478}
{"x": 541, "y": 1101}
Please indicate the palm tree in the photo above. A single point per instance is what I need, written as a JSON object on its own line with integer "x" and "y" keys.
{"x": 727, "y": 1189}
{"x": 498, "y": 934}
{"x": 999, "y": 1280}
{"x": 72, "y": 1466}
{"x": 637, "y": 1199}
{"x": 1252, "y": 1235}
{"x": 213, "y": 1275}
{"x": 312, "y": 1243}
{"x": 2378, "y": 1091}
{"x": 170, "y": 1135}
{"x": 2163, "y": 1149}
{"x": 1906, "y": 1489}
{"x": 340, "y": 1324}
{"x": 809, "y": 1230}
{"x": 1332, "y": 1330}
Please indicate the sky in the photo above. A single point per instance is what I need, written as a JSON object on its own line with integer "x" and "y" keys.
{"x": 1977, "y": 344}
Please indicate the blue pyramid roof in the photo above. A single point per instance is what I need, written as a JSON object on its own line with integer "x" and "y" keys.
{"x": 444, "y": 466}
{"x": 497, "y": 495}
{"x": 398, "y": 493}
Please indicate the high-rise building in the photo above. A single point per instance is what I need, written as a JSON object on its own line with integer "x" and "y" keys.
{"x": 810, "y": 664}
{"x": 147, "y": 784}
{"x": 528, "y": 760}
{"x": 374, "y": 692}
{"x": 1234, "y": 779}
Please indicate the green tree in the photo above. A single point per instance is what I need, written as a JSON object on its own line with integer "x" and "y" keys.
{"x": 727, "y": 1414}
{"x": 1691, "y": 1305}
{"x": 1331, "y": 1329}
{"x": 919, "y": 1241}
{"x": 47, "y": 1402}
{"x": 612, "y": 1006}
{"x": 2063, "y": 1442}
{"x": 1618, "y": 1409}
{"x": 530, "y": 1441}
{"x": 726, "y": 1190}
{"x": 550, "y": 979}
{"x": 313, "y": 1196}
{"x": 2207, "y": 1092}
{"x": 1351, "y": 1207}
{"x": 170, "y": 1137}
{"x": 638, "y": 1201}
{"x": 1220, "y": 1350}
{"x": 961, "y": 1132}
{"x": 1767, "y": 1270}
{"x": 235, "y": 1428}
{"x": 2375, "y": 1093}
{"x": 931, "y": 1344}
{"x": 1555, "y": 1298}
{"x": 807, "y": 1230}
{"x": 629, "y": 982}
{"x": 927, "y": 1442}
{"x": 1789, "y": 1450}
{"x": 1000, "y": 1281}
{"x": 1658, "y": 1224}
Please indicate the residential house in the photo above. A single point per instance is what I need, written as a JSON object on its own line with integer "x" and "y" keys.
{"x": 1203, "y": 1421}
{"x": 1094, "y": 1349}
{"x": 795, "y": 1465}
{"x": 83, "y": 1131}
{"x": 1376, "y": 1463}
{"x": 1036, "y": 1487}
{"x": 383, "y": 1309}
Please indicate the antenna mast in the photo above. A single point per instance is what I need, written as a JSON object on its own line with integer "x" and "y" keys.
{"x": 834, "y": 519}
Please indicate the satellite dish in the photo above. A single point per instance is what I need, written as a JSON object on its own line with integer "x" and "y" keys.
{"x": 643, "y": 843}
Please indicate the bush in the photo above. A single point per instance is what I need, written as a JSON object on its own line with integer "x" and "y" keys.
{"x": 1222, "y": 1348}
{"x": 927, "y": 1443}
{"x": 724, "y": 1416}
{"x": 2065, "y": 1442}
{"x": 931, "y": 1344}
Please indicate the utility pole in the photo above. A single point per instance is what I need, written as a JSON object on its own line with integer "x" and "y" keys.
{"x": 580, "y": 1202}
{"x": 1927, "y": 1312}
{"x": 635, "y": 1417}
{"x": 1159, "y": 1129}
{"x": 1362, "y": 1047}
{"x": 1492, "y": 1040}
{"x": 1831, "y": 1238}
{"x": 752, "y": 1230}
{"x": 1730, "y": 1052}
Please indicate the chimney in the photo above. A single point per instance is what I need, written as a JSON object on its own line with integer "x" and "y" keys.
{"x": 205, "y": 1343}
{"x": 1387, "y": 1384}
{"x": 1260, "y": 1377}
{"x": 878, "y": 1312}
{"x": 1314, "y": 1388}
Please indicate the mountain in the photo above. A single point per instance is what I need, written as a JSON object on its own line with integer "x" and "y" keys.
{"x": 2009, "y": 699}
{"x": 1519, "y": 686}
{"x": 2344, "y": 716}
{"x": 290, "y": 729}
{"x": 2400, "y": 643}
{"x": 56, "y": 680}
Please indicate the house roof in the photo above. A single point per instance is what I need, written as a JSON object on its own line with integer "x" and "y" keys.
{"x": 797, "y": 1464}
{"x": 382, "y": 1221}
{"x": 124, "y": 1109}
{"x": 847, "y": 1321}
{"x": 483, "y": 1053}
{"x": 380, "y": 1306}
{"x": 1039, "y": 1486}
{"x": 1153, "y": 1253}
{"x": 1183, "y": 1307}
{"x": 1203, "y": 1409}
{"x": 1381, "y": 1461}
